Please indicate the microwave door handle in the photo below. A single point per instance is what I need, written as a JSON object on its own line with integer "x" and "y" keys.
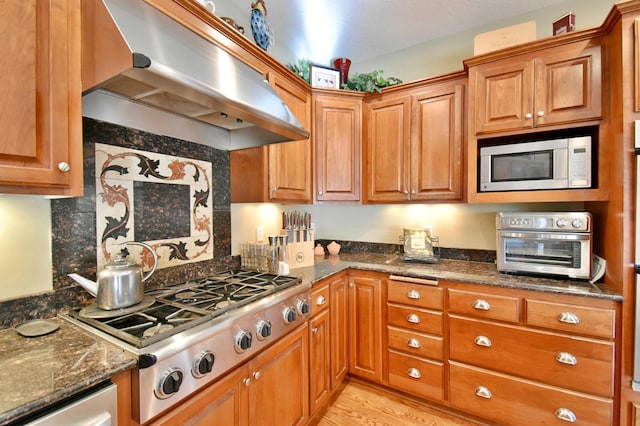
{"x": 545, "y": 236}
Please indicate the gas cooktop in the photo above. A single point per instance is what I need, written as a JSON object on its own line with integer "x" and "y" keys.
{"x": 179, "y": 307}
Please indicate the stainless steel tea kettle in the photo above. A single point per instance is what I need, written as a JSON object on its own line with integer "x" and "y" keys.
{"x": 121, "y": 283}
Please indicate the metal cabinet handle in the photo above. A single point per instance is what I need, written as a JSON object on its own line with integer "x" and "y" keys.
{"x": 481, "y": 305}
{"x": 413, "y": 343}
{"x": 413, "y": 319}
{"x": 566, "y": 415}
{"x": 314, "y": 330}
{"x": 528, "y": 115}
{"x": 566, "y": 358}
{"x": 414, "y": 373}
{"x": 413, "y": 294}
{"x": 246, "y": 381}
{"x": 64, "y": 167}
{"x": 413, "y": 192}
{"x": 406, "y": 192}
{"x": 568, "y": 318}
{"x": 321, "y": 301}
{"x": 483, "y": 392}
{"x": 320, "y": 192}
{"x": 482, "y": 341}
{"x": 540, "y": 113}
{"x": 256, "y": 375}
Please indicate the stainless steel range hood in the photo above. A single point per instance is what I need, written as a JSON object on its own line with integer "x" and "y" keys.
{"x": 136, "y": 52}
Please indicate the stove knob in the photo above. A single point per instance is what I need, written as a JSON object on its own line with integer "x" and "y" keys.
{"x": 243, "y": 341}
{"x": 561, "y": 223}
{"x": 263, "y": 329}
{"x": 289, "y": 315}
{"x": 203, "y": 364}
{"x": 169, "y": 383}
{"x": 303, "y": 306}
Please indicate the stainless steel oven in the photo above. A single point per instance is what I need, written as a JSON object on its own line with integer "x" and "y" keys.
{"x": 545, "y": 243}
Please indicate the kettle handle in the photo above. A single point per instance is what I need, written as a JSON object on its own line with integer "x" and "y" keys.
{"x": 153, "y": 253}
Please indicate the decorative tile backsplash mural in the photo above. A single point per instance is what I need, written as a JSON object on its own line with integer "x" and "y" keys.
{"x": 136, "y": 189}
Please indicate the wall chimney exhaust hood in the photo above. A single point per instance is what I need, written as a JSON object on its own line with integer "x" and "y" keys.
{"x": 134, "y": 51}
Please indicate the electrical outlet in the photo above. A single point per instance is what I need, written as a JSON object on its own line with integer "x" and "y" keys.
{"x": 259, "y": 234}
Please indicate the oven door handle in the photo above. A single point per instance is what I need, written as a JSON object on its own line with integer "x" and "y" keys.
{"x": 546, "y": 235}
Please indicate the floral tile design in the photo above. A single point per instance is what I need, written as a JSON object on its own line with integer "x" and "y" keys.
{"x": 150, "y": 195}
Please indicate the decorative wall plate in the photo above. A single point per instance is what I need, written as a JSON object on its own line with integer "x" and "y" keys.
{"x": 259, "y": 25}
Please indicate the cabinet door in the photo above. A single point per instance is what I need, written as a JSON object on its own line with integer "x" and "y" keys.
{"x": 41, "y": 113}
{"x": 319, "y": 360}
{"x": 339, "y": 331}
{"x": 502, "y": 95}
{"x": 365, "y": 327}
{"x": 290, "y": 162}
{"x": 279, "y": 389}
{"x": 387, "y": 150}
{"x": 436, "y": 142}
{"x": 337, "y": 141}
{"x": 222, "y": 403}
{"x": 568, "y": 84}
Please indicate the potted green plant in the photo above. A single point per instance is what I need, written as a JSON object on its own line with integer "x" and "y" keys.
{"x": 301, "y": 69}
{"x": 370, "y": 82}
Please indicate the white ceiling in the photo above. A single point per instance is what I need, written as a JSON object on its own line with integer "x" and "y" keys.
{"x": 364, "y": 29}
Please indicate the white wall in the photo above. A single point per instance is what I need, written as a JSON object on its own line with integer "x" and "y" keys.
{"x": 25, "y": 245}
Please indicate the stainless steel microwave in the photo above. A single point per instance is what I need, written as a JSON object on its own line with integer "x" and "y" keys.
{"x": 548, "y": 164}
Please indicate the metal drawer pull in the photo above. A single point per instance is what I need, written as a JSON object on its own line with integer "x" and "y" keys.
{"x": 566, "y": 415}
{"x": 482, "y": 341}
{"x": 413, "y": 294}
{"x": 321, "y": 301}
{"x": 568, "y": 318}
{"x": 481, "y": 305}
{"x": 483, "y": 392}
{"x": 566, "y": 358}
{"x": 413, "y": 343}
{"x": 414, "y": 373}
{"x": 413, "y": 318}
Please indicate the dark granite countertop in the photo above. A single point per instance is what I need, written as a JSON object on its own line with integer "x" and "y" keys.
{"x": 36, "y": 372}
{"x": 458, "y": 270}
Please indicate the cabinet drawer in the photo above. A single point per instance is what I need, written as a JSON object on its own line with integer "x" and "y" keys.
{"x": 577, "y": 319}
{"x": 416, "y": 376}
{"x": 417, "y": 344}
{"x": 413, "y": 294}
{"x": 509, "y": 400}
{"x": 576, "y": 363}
{"x": 415, "y": 319}
{"x": 482, "y": 305}
{"x": 319, "y": 299}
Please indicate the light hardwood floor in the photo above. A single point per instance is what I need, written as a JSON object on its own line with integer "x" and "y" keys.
{"x": 357, "y": 403}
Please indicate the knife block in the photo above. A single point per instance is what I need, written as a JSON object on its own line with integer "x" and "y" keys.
{"x": 300, "y": 253}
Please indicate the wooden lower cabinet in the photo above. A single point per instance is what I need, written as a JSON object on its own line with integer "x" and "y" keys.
{"x": 319, "y": 360}
{"x": 514, "y": 401}
{"x": 365, "y": 326}
{"x": 270, "y": 390}
{"x": 339, "y": 336}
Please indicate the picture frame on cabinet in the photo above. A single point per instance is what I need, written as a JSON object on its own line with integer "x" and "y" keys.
{"x": 324, "y": 77}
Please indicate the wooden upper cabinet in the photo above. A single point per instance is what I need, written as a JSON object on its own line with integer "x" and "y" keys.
{"x": 337, "y": 142}
{"x": 41, "y": 117}
{"x": 387, "y": 149}
{"x": 279, "y": 172}
{"x": 414, "y": 140}
{"x": 437, "y": 135}
{"x": 552, "y": 86}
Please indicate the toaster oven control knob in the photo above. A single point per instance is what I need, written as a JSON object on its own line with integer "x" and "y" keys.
{"x": 561, "y": 223}
{"x": 289, "y": 314}
{"x": 303, "y": 306}
{"x": 264, "y": 329}
{"x": 577, "y": 223}
{"x": 169, "y": 383}
{"x": 243, "y": 341}
{"x": 203, "y": 364}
